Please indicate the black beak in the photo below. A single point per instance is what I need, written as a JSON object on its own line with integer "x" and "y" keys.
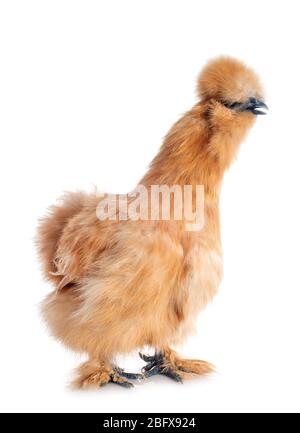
{"x": 253, "y": 105}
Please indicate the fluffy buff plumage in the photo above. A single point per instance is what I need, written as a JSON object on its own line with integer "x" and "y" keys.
{"x": 227, "y": 79}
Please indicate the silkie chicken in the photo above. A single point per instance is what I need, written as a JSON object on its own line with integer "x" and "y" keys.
{"x": 122, "y": 285}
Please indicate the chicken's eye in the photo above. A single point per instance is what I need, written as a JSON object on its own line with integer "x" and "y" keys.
{"x": 232, "y": 105}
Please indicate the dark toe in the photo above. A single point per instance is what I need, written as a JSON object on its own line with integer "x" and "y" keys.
{"x": 149, "y": 366}
{"x": 172, "y": 375}
{"x": 147, "y": 358}
{"x": 132, "y": 376}
{"x": 125, "y": 384}
{"x": 149, "y": 373}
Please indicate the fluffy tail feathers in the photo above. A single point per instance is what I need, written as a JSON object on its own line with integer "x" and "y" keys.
{"x": 51, "y": 228}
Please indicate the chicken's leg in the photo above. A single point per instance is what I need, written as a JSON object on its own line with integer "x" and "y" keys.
{"x": 93, "y": 374}
{"x": 168, "y": 363}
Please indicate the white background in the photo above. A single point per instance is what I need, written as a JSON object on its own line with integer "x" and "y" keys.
{"x": 88, "y": 89}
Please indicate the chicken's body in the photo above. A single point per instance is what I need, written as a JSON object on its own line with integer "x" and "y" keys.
{"x": 122, "y": 285}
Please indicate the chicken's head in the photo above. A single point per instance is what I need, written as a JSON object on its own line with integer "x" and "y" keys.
{"x": 230, "y": 82}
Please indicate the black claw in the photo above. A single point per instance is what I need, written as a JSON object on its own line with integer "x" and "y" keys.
{"x": 155, "y": 365}
{"x": 149, "y": 366}
{"x": 133, "y": 376}
{"x": 153, "y": 372}
{"x": 172, "y": 375}
{"x": 147, "y": 358}
{"x": 125, "y": 384}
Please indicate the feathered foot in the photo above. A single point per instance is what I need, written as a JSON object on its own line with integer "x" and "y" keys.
{"x": 94, "y": 374}
{"x": 169, "y": 364}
